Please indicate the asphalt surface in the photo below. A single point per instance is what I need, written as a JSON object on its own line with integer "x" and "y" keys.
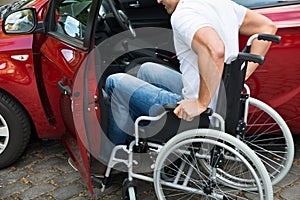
{"x": 44, "y": 173}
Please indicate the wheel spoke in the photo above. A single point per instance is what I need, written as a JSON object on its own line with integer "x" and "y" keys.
{"x": 268, "y": 135}
{"x": 198, "y": 177}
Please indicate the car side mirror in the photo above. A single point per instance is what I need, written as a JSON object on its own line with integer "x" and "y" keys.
{"x": 20, "y": 22}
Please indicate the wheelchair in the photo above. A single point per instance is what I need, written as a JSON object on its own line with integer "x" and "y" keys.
{"x": 260, "y": 126}
{"x": 219, "y": 155}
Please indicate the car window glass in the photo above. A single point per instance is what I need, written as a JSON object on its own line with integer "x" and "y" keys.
{"x": 254, "y": 3}
{"x": 72, "y": 17}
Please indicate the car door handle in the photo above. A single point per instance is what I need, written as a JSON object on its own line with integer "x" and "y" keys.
{"x": 20, "y": 57}
{"x": 64, "y": 88}
{"x": 135, "y": 4}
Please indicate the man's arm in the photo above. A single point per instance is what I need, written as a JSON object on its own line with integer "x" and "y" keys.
{"x": 256, "y": 23}
{"x": 210, "y": 50}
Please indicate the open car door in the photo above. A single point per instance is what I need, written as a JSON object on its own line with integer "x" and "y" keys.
{"x": 66, "y": 50}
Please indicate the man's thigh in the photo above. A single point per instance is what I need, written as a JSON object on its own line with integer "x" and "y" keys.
{"x": 161, "y": 76}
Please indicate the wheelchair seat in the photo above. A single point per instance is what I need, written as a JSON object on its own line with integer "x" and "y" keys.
{"x": 228, "y": 104}
{"x": 170, "y": 125}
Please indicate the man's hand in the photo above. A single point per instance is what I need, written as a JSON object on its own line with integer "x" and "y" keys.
{"x": 188, "y": 109}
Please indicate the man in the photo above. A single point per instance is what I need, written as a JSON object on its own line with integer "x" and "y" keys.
{"x": 205, "y": 35}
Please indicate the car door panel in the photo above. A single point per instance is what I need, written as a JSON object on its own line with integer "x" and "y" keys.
{"x": 60, "y": 62}
{"x": 63, "y": 53}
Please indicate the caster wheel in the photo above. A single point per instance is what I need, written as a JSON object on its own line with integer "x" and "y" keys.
{"x": 129, "y": 190}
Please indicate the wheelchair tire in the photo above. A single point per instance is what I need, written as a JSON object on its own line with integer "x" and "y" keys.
{"x": 270, "y": 138}
{"x": 128, "y": 190}
{"x": 192, "y": 180}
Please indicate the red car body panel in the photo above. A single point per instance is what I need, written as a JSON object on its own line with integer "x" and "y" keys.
{"x": 277, "y": 81}
{"x": 283, "y": 16}
{"x": 55, "y": 66}
{"x": 18, "y": 78}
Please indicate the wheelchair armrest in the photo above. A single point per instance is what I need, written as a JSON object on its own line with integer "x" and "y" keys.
{"x": 266, "y": 37}
{"x": 171, "y": 107}
{"x": 269, "y": 37}
{"x": 251, "y": 57}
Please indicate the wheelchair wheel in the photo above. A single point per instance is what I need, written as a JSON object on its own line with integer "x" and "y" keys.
{"x": 217, "y": 149}
{"x": 269, "y": 136}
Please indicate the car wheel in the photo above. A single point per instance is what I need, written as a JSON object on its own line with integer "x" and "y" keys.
{"x": 15, "y": 130}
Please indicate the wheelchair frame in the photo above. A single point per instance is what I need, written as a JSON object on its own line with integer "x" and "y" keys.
{"x": 225, "y": 142}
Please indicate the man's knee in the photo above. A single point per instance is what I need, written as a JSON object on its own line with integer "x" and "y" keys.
{"x": 114, "y": 81}
{"x": 145, "y": 69}
{"x": 149, "y": 70}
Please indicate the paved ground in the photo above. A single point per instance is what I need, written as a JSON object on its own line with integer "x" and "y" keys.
{"x": 43, "y": 173}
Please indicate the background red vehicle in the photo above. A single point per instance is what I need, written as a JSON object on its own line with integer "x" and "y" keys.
{"x": 38, "y": 67}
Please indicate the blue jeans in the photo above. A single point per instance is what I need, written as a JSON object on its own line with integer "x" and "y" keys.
{"x": 131, "y": 97}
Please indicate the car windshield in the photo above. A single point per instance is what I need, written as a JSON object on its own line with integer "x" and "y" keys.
{"x": 254, "y": 3}
{"x": 13, "y": 6}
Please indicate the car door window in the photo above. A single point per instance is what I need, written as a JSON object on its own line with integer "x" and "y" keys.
{"x": 72, "y": 17}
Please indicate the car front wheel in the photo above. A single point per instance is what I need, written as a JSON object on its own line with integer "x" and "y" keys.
{"x": 15, "y": 130}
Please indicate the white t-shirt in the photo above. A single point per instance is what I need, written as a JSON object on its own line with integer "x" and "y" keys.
{"x": 225, "y": 16}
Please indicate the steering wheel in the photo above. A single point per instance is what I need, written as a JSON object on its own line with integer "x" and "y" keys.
{"x": 121, "y": 18}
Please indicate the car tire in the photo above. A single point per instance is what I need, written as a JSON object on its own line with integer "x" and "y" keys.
{"x": 15, "y": 130}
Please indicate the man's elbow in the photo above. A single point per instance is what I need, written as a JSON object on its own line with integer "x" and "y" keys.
{"x": 270, "y": 28}
{"x": 218, "y": 55}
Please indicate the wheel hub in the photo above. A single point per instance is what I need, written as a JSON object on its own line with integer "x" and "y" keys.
{"x": 4, "y": 134}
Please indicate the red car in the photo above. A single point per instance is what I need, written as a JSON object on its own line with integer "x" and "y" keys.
{"x": 47, "y": 53}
